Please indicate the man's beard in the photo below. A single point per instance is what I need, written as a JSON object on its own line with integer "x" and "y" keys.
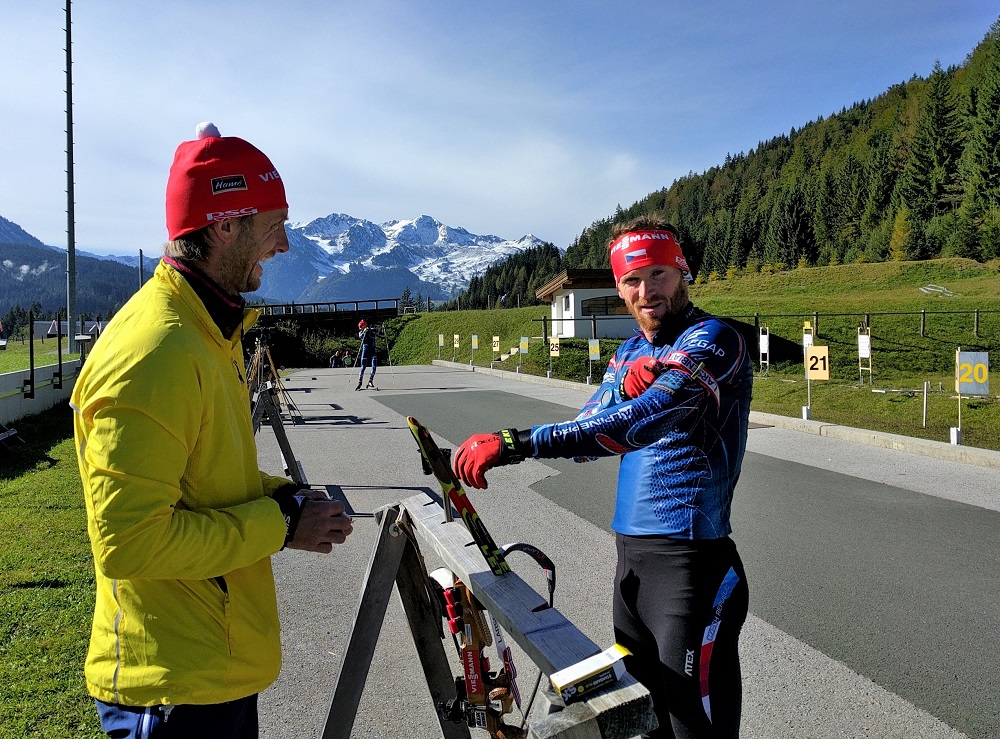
{"x": 238, "y": 271}
{"x": 672, "y": 307}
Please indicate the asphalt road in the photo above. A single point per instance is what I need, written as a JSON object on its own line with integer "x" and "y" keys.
{"x": 874, "y": 604}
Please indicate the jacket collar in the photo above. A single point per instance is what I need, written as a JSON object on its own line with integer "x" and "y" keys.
{"x": 225, "y": 316}
{"x": 226, "y": 310}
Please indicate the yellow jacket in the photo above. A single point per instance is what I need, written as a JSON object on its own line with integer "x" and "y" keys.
{"x": 178, "y": 513}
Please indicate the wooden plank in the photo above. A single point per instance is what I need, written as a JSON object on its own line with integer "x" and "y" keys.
{"x": 549, "y": 639}
{"x": 578, "y": 721}
{"x": 356, "y": 660}
{"x": 622, "y": 710}
{"x": 425, "y": 626}
{"x": 546, "y": 636}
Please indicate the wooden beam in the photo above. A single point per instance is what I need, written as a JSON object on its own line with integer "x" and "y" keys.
{"x": 357, "y": 658}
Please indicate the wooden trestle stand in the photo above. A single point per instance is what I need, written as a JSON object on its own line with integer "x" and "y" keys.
{"x": 264, "y": 404}
{"x": 552, "y": 642}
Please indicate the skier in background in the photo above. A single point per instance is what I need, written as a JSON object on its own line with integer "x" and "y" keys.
{"x": 367, "y": 354}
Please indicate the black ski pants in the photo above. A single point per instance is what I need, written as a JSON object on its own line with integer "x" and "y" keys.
{"x": 679, "y": 607}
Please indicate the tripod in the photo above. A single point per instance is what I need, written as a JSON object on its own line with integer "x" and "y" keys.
{"x": 262, "y": 363}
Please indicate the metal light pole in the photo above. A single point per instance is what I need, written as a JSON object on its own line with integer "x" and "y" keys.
{"x": 70, "y": 214}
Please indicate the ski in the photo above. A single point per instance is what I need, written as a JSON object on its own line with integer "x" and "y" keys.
{"x": 436, "y": 463}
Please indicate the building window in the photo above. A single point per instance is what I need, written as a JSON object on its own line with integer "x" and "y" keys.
{"x": 608, "y": 305}
{"x": 566, "y": 303}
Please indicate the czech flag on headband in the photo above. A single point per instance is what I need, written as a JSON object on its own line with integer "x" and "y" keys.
{"x": 637, "y": 249}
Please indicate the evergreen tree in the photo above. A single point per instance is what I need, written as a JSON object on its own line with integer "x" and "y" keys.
{"x": 931, "y": 185}
{"x": 901, "y": 241}
{"x": 981, "y": 164}
{"x": 512, "y": 281}
{"x": 406, "y": 299}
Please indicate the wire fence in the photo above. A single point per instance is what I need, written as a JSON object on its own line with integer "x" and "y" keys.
{"x": 758, "y": 319}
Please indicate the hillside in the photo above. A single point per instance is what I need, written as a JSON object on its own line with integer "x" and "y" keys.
{"x": 912, "y": 174}
{"x": 35, "y": 275}
{"x": 840, "y": 297}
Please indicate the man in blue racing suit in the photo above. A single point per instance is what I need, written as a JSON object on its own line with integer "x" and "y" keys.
{"x": 675, "y": 404}
{"x": 367, "y": 354}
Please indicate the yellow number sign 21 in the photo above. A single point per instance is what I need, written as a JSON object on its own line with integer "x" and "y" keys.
{"x": 818, "y": 363}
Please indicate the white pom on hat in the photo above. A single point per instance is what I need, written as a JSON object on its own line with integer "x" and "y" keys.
{"x": 207, "y": 130}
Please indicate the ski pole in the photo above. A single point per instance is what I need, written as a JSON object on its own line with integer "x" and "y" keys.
{"x": 388, "y": 355}
{"x": 354, "y": 365}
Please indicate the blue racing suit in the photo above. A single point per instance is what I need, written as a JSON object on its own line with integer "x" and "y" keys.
{"x": 367, "y": 354}
{"x": 680, "y": 595}
{"x": 682, "y": 441}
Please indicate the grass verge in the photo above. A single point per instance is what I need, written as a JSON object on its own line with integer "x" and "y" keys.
{"x": 15, "y": 356}
{"x": 46, "y": 585}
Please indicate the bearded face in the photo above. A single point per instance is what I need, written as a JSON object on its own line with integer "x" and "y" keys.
{"x": 241, "y": 267}
{"x": 653, "y": 295}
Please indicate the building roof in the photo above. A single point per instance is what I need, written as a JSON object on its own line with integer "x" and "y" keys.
{"x": 579, "y": 279}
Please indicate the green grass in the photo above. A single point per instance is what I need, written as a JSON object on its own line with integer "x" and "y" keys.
{"x": 46, "y": 585}
{"x": 783, "y": 301}
{"x": 15, "y": 356}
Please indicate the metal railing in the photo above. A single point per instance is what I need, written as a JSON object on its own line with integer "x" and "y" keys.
{"x": 282, "y": 309}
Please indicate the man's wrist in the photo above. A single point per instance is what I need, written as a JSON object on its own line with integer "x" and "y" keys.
{"x": 291, "y": 504}
{"x": 515, "y": 445}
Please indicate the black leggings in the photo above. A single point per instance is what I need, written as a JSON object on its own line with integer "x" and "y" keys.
{"x": 679, "y": 607}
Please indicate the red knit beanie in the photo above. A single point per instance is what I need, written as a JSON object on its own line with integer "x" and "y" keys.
{"x": 215, "y": 178}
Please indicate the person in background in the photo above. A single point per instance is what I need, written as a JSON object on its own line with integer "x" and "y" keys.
{"x": 674, "y": 403}
{"x": 367, "y": 354}
{"x": 182, "y": 523}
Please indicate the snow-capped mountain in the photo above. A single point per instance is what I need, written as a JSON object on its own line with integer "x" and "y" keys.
{"x": 341, "y": 257}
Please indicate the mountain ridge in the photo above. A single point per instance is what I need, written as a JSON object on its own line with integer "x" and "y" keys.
{"x": 337, "y": 257}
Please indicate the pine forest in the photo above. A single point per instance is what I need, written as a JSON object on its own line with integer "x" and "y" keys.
{"x": 913, "y": 174}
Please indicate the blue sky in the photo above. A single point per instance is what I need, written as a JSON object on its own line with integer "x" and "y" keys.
{"x": 502, "y": 117}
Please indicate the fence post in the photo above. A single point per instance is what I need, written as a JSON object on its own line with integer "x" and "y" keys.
{"x": 545, "y": 331}
{"x": 923, "y": 320}
{"x": 58, "y": 376}
{"x": 29, "y": 384}
{"x": 593, "y": 327}
{"x": 756, "y": 323}
{"x": 815, "y": 323}
{"x": 975, "y": 328}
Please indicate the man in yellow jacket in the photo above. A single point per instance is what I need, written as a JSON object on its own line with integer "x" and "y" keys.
{"x": 182, "y": 523}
